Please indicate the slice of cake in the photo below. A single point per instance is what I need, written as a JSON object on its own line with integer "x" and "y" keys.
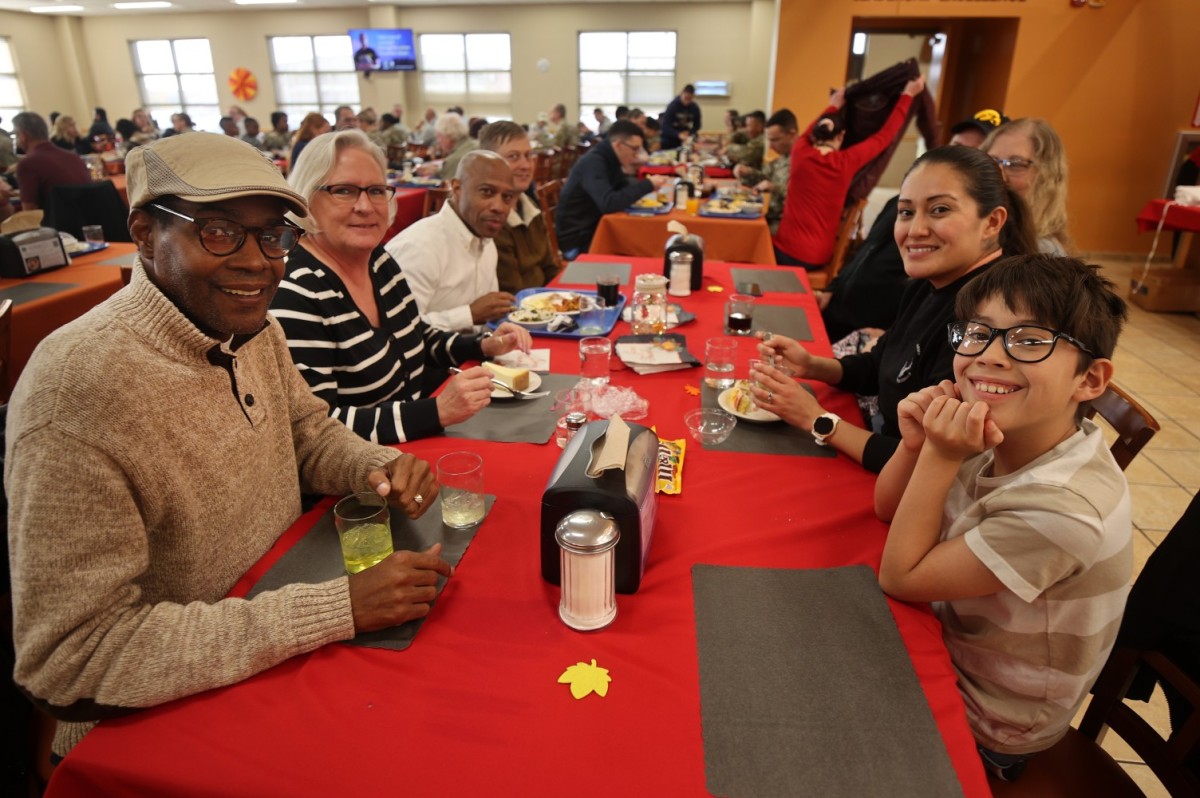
{"x": 517, "y": 379}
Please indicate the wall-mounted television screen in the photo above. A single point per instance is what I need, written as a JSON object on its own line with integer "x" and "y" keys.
{"x": 383, "y": 49}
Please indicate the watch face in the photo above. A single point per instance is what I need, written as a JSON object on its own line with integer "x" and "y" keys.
{"x": 823, "y": 426}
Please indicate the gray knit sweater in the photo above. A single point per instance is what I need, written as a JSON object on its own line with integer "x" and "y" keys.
{"x": 146, "y": 471}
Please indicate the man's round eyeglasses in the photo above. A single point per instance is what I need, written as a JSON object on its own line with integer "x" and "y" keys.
{"x": 224, "y": 236}
{"x": 349, "y": 193}
{"x": 1014, "y": 165}
{"x": 1026, "y": 343}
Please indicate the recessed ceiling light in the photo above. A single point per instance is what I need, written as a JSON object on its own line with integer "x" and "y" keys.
{"x": 141, "y": 5}
{"x": 263, "y": 2}
{"x": 55, "y": 9}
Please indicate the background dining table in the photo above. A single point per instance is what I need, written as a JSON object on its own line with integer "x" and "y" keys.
{"x": 645, "y": 236}
{"x": 46, "y": 301}
{"x": 474, "y": 705}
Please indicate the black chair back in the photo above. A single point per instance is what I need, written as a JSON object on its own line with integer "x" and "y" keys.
{"x": 71, "y": 207}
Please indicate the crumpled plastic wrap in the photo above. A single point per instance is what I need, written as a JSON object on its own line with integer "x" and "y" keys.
{"x": 604, "y": 401}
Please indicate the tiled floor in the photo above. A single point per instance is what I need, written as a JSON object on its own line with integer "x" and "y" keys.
{"x": 1156, "y": 361}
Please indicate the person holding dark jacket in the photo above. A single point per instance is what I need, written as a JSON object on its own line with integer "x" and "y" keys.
{"x": 597, "y": 185}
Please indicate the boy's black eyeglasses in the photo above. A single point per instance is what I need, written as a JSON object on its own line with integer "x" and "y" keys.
{"x": 224, "y": 236}
{"x": 1026, "y": 343}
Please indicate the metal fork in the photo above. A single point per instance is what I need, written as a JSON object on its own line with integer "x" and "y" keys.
{"x": 513, "y": 391}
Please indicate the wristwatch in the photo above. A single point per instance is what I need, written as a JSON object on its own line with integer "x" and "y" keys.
{"x": 823, "y": 427}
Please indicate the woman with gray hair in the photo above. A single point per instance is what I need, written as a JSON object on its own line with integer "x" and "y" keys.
{"x": 352, "y": 324}
{"x": 453, "y": 142}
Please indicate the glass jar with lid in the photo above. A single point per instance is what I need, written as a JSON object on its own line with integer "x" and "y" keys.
{"x": 649, "y": 309}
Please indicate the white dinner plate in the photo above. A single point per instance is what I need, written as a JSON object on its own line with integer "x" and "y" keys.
{"x": 542, "y": 299}
{"x": 535, "y": 382}
{"x": 725, "y": 400}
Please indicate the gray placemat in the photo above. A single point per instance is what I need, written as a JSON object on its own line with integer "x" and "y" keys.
{"x": 317, "y": 557}
{"x": 120, "y": 260}
{"x": 779, "y": 280}
{"x": 776, "y": 437}
{"x": 27, "y": 292}
{"x": 806, "y": 688}
{"x": 581, "y": 273}
{"x": 781, "y": 319}
{"x": 516, "y": 420}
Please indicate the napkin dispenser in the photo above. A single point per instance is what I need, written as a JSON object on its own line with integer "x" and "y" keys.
{"x": 31, "y": 252}
{"x": 625, "y": 494}
{"x": 694, "y": 244}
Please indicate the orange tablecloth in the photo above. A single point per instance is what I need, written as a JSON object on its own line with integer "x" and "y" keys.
{"x": 473, "y": 707}
{"x": 34, "y": 320}
{"x": 735, "y": 240}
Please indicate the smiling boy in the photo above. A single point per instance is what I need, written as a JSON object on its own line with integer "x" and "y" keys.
{"x": 1008, "y": 511}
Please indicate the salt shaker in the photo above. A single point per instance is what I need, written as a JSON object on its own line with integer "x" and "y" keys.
{"x": 587, "y": 542}
{"x": 681, "y": 274}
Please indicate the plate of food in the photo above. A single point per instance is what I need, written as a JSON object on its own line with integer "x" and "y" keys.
{"x": 420, "y": 182}
{"x": 727, "y": 206}
{"x": 566, "y": 303}
{"x": 516, "y": 378}
{"x": 77, "y": 248}
{"x": 651, "y": 204}
{"x": 531, "y": 318}
{"x": 740, "y": 402}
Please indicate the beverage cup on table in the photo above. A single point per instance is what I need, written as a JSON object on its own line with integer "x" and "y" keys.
{"x": 693, "y": 205}
{"x": 595, "y": 354}
{"x": 608, "y": 288}
{"x": 591, "y": 318}
{"x": 364, "y": 529}
{"x": 460, "y": 486}
{"x": 739, "y": 314}
{"x": 93, "y": 234}
{"x": 720, "y": 355}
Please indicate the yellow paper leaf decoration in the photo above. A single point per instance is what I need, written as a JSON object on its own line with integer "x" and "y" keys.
{"x": 585, "y": 678}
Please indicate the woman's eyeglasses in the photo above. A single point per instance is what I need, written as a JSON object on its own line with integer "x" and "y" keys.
{"x": 224, "y": 236}
{"x": 1026, "y": 343}
{"x": 349, "y": 193}
{"x": 1014, "y": 165}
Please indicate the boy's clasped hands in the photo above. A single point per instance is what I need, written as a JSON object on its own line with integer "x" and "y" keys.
{"x": 955, "y": 429}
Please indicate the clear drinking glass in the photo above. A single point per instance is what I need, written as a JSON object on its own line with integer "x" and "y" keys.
{"x": 460, "y": 486}
{"x": 720, "y": 356}
{"x": 595, "y": 354}
{"x": 739, "y": 314}
{"x": 364, "y": 527}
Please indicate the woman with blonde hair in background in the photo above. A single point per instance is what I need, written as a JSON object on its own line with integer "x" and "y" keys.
{"x": 66, "y": 136}
{"x": 1034, "y": 163}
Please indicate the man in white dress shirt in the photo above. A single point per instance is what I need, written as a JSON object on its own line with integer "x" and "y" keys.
{"x": 449, "y": 259}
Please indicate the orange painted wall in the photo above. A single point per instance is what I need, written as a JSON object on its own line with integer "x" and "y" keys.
{"x": 1116, "y": 82}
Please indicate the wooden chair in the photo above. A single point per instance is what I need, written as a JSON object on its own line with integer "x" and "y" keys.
{"x": 435, "y": 198}
{"x": 543, "y": 168}
{"x": 396, "y": 154}
{"x": 1135, "y": 427}
{"x": 850, "y": 227}
{"x": 1158, "y": 618}
{"x": 126, "y": 275}
{"x": 548, "y": 200}
{"x": 6, "y": 307}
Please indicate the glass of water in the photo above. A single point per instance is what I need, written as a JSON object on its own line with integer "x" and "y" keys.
{"x": 595, "y": 353}
{"x": 720, "y": 356}
{"x": 460, "y": 486}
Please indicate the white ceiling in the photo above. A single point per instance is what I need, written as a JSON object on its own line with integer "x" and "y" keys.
{"x": 104, "y": 7}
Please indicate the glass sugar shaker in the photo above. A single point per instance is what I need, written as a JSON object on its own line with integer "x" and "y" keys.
{"x": 681, "y": 273}
{"x": 587, "y": 542}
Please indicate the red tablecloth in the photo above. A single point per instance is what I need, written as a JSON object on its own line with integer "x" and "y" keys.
{"x": 711, "y": 172}
{"x": 34, "y": 320}
{"x": 473, "y": 707}
{"x": 1179, "y": 217}
{"x": 410, "y": 206}
{"x": 633, "y": 235}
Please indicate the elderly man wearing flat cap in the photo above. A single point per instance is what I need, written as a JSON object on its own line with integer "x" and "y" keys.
{"x": 158, "y": 446}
